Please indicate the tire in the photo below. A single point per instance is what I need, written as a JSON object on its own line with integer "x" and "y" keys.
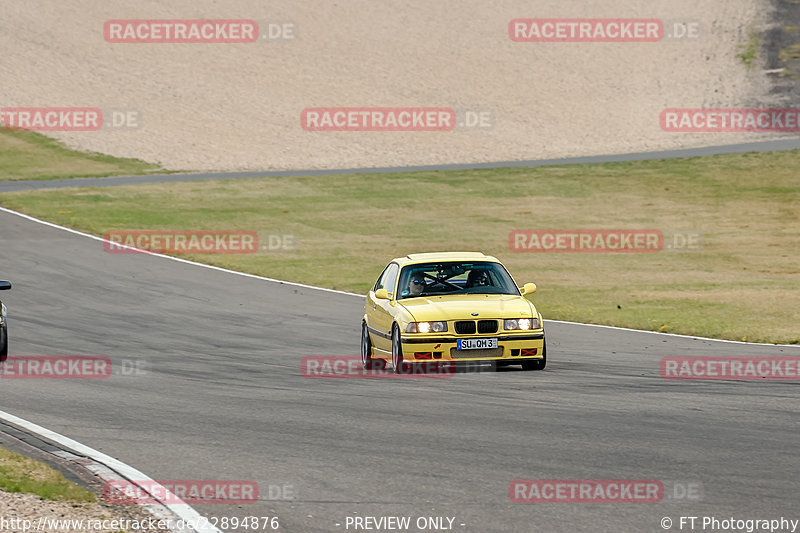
{"x": 537, "y": 365}
{"x": 398, "y": 366}
{"x": 366, "y": 348}
{"x": 4, "y": 345}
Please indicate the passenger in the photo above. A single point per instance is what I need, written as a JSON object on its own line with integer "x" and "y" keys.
{"x": 478, "y": 278}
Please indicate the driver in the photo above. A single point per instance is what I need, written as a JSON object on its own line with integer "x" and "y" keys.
{"x": 478, "y": 278}
{"x": 416, "y": 285}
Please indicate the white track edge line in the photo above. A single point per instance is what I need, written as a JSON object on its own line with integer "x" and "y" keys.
{"x": 294, "y": 284}
{"x": 674, "y": 334}
{"x": 178, "y": 259}
{"x": 182, "y": 510}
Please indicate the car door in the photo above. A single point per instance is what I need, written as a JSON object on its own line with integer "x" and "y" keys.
{"x": 380, "y": 313}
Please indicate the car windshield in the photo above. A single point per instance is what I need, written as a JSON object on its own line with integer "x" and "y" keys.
{"x": 457, "y": 277}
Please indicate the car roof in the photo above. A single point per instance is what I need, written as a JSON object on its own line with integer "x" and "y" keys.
{"x": 433, "y": 257}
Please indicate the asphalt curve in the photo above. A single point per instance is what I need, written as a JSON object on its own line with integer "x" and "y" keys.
{"x": 761, "y": 146}
{"x": 219, "y": 395}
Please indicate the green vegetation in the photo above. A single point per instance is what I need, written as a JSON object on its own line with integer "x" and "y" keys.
{"x": 22, "y": 474}
{"x": 749, "y": 51}
{"x": 29, "y": 155}
{"x": 789, "y": 53}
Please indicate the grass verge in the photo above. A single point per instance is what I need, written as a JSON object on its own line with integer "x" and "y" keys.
{"x": 22, "y": 474}
{"x": 28, "y": 155}
{"x": 743, "y": 283}
{"x": 749, "y": 51}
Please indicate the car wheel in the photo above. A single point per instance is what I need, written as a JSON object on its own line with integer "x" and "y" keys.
{"x": 537, "y": 365}
{"x": 397, "y": 352}
{"x": 4, "y": 345}
{"x": 366, "y": 349}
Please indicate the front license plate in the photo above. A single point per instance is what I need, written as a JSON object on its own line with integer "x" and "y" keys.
{"x": 476, "y": 344}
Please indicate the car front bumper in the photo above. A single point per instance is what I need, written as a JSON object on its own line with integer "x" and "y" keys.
{"x": 528, "y": 346}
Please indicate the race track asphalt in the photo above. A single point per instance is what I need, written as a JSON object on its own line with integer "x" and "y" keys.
{"x": 789, "y": 143}
{"x": 219, "y": 395}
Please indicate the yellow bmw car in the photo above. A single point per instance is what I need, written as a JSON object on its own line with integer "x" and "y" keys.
{"x": 450, "y": 307}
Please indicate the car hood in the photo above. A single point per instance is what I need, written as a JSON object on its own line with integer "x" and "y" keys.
{"x": 462, "y": 307}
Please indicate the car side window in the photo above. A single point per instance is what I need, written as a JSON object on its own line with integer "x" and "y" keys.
{"x": 379, "y": 283}
{"x": 389, "y": 278}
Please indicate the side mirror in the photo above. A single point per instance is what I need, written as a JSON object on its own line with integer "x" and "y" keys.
{"x": 382, "y": 294}
{"x": 528, "y": 288}
{"x": 5, "y": 285}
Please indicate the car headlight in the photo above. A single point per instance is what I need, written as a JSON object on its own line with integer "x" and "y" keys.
{"x": 520, "y": 323}
{"x": 426, "y": 327}
{"x": 2, "y": 313}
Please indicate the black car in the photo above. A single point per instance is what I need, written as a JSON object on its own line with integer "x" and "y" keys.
{"x": 4, "y": 286}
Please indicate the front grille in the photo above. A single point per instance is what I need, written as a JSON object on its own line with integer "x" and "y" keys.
{"x": 465, "y": 327}
{"x": 469, "y": 354}
{"x": 487, "y": 326}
